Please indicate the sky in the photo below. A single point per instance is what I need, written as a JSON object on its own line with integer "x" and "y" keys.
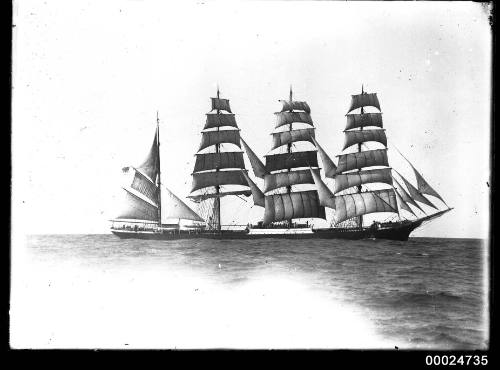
{"x": 89, "y": 77}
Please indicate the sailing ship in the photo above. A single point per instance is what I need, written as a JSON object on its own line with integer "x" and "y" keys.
{"x": 294, "y": 191}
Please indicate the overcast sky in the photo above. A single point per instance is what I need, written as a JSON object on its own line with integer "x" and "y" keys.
{"x": 89, "y": 76}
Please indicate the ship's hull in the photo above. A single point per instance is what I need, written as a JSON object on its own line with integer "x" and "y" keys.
{"x": 397, "y": 231}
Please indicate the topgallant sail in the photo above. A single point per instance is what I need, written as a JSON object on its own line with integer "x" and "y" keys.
{"x": 294, "y": 192}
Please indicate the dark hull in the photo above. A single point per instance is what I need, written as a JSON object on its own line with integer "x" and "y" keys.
{"x": 398, "y": 231}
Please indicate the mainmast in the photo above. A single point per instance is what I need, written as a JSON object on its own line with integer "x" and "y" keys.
{"x": 360, "y": 219}
{"x": 217, "y": 187}
{"x": 288, "y": 168}
{"x": 159, "y": 167}
{"x": 289, "y": 146}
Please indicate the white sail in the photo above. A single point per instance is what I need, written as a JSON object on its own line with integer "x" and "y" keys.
{"x": 257, "y": 194}
{"x": 258, "y": 167}
{"x": 326, "y": 197}
{"x": 303, "y": 204}
{"x": 367, "y": 158}
{"x": 283, "y": 161}
{"x": 294, "y": 105}
{"x": 213, "y": 161}
{"x": 345, "y": 181}
{"x": 402, "y": 204}
{"x": 356, "y": 137}
{"x": 415, "y": 194}
{"x": 328, "y": 165}
{"x": 151, "y": 165}
{"x": 201, "y": 197}
{"x": 358, "y": 204}
{"x": 173, "y": 207}
{"x": 423, "y": 186}
{"x": 136, "y": 208}
{"x": 206, "y": 179}
{"x": 287, "y": 137}
{"x": 364, "y": 100}
{"x": 404, "y": 194}
{"x": 285, "y": 118}
{"x": 210, "y": 138}
{"x": 144, "y": 186}
{"x": 282, "y": 179}
{"x": 221, "y": 104}
{"x": 363, "y": 120}
{"x": 220, "y": 120}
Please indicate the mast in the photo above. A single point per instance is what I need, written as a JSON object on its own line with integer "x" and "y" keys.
{"x": 360, "y": 219}
{"x": 159, "y": 167}
{"x": 287, "y": 168}
{"x": 217, "y": 187}
{"x": 289, "y": 149}
{"x": 218, "y": 167}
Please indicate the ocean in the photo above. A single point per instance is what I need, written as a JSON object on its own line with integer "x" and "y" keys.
{"x": 98, "y": 291}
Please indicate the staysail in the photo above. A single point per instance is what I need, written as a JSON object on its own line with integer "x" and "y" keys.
{"x": 329, "y": 166}
{"x": 258, "y": 167}
{"x": 404, "y": 194}
{"x": 416, "y": 194}
{"x": 326, "y": 197}
{"x": 173, "y": 207}
{"x": 257, "y": 194}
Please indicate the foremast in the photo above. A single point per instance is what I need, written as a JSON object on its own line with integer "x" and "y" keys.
{"x": 214, "y": 167}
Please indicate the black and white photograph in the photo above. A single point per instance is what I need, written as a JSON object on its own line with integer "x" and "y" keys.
{"x": 221, "y": 175}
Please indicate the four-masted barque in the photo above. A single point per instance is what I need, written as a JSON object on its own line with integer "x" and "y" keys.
{"x": 294, "y": 189}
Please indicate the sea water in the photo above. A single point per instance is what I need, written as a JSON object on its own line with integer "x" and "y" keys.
{"x": 98, "y": 291}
